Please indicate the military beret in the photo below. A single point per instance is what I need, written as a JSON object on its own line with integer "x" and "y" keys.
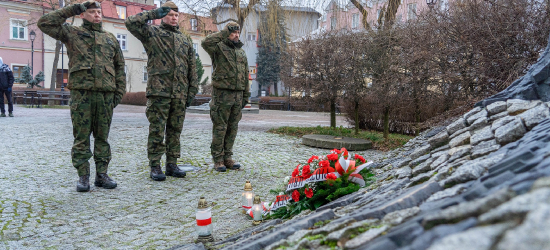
{"x": 171, "y": 5}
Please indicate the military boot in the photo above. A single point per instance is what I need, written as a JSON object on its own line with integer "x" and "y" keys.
{"x": 83, "y": 184}
{"x": 218, "y": 166}
{"x": 174, "y": 170}
{"x": 11, "y": 114}
{"x": 3, "y": 115}
{"x": 104, "y": 181}
{"x": 157, "y": 174}
{"x": 230, "y": 164}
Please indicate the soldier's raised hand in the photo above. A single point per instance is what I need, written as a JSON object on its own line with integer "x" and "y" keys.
{"x": 82, "y": 7}
{"x": 162, "y": 12}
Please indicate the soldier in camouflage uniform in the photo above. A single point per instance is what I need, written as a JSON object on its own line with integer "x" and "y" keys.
{"x": 171, "y": 86}
{"x": 97, "y": 82}
{"x": 230, "y": 93}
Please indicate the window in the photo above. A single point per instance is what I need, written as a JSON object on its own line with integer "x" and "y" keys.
{"x": 411, "y": 11}
{"x": 193, "y": 24}
{"x": 145, "y": 76}
{"x": 18, "y": 29}
{"x": 122, "y": 41}
{"x": 252, "y": 71}
{"x": 251, "y": 36}
{"x": 333, "y": 23}
{"x": 17, "y": 70}
{"x": 121, "y": 10}
{"x": 195, "y": 46}
{"x": 355, "y": 21}
{"x": 324, "y": 18}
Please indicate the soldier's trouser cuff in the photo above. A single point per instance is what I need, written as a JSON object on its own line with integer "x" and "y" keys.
{"x": 217, "y": 159}
{"x": 101, "y": 167}
{"x": 83, "y": 169}
{"x": 171, "y": 160}
{"x": 153, "y": 163}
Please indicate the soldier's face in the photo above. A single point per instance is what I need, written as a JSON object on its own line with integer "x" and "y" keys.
{"x": 92, "y": 15}
{"x": 171, "y": 18}
{"x": 234, "y": 36}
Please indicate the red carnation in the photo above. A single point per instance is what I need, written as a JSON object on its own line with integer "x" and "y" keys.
{"x": 345, "y": 151}
{"x": 306, "y": 171}
{"x": 332, "y": 157}
{"x": 360, "y": 158}
{"x": 331, "y": 176}
{"x": 335, "y": 151}
{"x": 295, "y": 196}
{"x": 324, "y": 164}
{"x": 309, "y": 192}
{"x": 296, "y": 171}
{"x": 312, "y": 159}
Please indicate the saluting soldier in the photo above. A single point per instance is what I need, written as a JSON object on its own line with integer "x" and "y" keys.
{"x": 230, "y": 92}
{"x": 171, "y": 86}
{"x": 97, "y": 82}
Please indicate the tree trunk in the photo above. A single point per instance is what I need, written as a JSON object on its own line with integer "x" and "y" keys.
{"x": 386, "y": 122}
{"x": 275, "y": 89}
{"x": 332, "y": 114}
{"x": 53, "y": 81}
{"x": 356, "y": 111}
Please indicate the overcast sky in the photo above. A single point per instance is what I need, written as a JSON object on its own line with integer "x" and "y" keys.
{"x": 202, "y": 7}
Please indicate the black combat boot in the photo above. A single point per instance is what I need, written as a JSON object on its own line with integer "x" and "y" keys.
{"x": 230, "y": 164}
{"x": 83, "y": 184}
{"x": 174, "y": 170}
{"x": 157, "y": 174}
{"x": 104, "y": 181}
{"x": 218, "y": 166}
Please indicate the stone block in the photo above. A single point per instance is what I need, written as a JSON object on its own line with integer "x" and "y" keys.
{"x": 481, "y": 114}
{"x": 402, "y": 162}
{"x": 481, "y": 135}
{"x": 495, "y": 117}
{"x": 456, "y": 126}
{"x": 331, "y": 227}
{"x": 472, "y": 112}
{"x": 403, "y": 172}
{"x": 520, "y": 107}
{"x": 467, "y": 209}
{"x": 471, "y": 170}
{"x": 397, "y": 217}
{"x": 421, "y": 178}
{"x": 439, "y": 139}
{"x": 459, "y": 132}
{"x": 510, "y": 132}
{"x": 517, "y": 207}
{"x": 460, "y": 140}
{"x": 501, "y": 122}
{"x": 534, "y": 116}
{"x": 449, "y": 192}
{"x": 440, "y": 160}
{"x": 531, "y": 234}
{"x": 420, "y": 151}
{"x": 496, "y": 107}
{"x": 484, "y": 148}
{"x": 330, "y": 142}
{"x": 478, "y": 238}
{"x": 365, "y": 237}
{"x": 348, "y": 230}
{"x": 404, "y": 234}
{"x": 459, "y": 152}
{"x": 442, "y": 148}
{"x": 426, "y": 239}
{"x": 419, "y": 160}
{"x": 422, "y": 168}
{"x": 479, "y": 123}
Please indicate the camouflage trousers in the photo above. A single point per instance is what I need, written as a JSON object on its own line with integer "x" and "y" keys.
{"x": 225, "y": 113}
{"x": 166, "y": 116}
{"x": 91, "y": 113}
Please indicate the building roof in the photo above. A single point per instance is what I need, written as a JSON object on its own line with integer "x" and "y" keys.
{"x": 205, "y": 25}
{"x": 108, "y": 8}
{"x": 262, "y": 8}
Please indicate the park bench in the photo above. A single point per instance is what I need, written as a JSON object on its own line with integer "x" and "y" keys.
{"x": 61, "y": 96}
{"x": 274, "y": 104}
{"x": 199, "y": 100}
{"x": 34, "y": 97}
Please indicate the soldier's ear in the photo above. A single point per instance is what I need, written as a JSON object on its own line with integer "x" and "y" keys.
{"x": 81, "y": 15}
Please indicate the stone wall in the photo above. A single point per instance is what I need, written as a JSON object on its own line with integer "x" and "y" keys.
{"x": 480, "y": 183}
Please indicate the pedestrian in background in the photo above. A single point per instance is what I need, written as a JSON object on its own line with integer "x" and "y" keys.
{"x": 6, "y": 83}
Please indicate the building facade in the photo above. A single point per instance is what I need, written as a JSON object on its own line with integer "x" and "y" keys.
{"x": 17, "y": 31}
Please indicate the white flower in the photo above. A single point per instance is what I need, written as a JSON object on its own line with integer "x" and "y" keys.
{"x": 287, "y": 179}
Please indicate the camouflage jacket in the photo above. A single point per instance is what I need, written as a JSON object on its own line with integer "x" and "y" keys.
{"x": 95, "y": 59}
{"x": 171, "y": 58}
{"x": 229, "y": 61}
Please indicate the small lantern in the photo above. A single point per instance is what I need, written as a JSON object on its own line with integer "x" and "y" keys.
{"x": 257, "y": 210}
{"x": 247, "y": 197}
{"x": 204, "y": 221}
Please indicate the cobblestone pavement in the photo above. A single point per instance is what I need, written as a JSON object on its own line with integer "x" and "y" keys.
{"x": 41, "y": 209}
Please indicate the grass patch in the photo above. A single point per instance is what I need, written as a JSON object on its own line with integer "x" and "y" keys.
{"x": 379, "y": 143}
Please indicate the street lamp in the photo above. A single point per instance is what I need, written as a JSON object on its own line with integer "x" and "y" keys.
{"x": 431, "y": 3}
{"x": 32, "y": 36}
